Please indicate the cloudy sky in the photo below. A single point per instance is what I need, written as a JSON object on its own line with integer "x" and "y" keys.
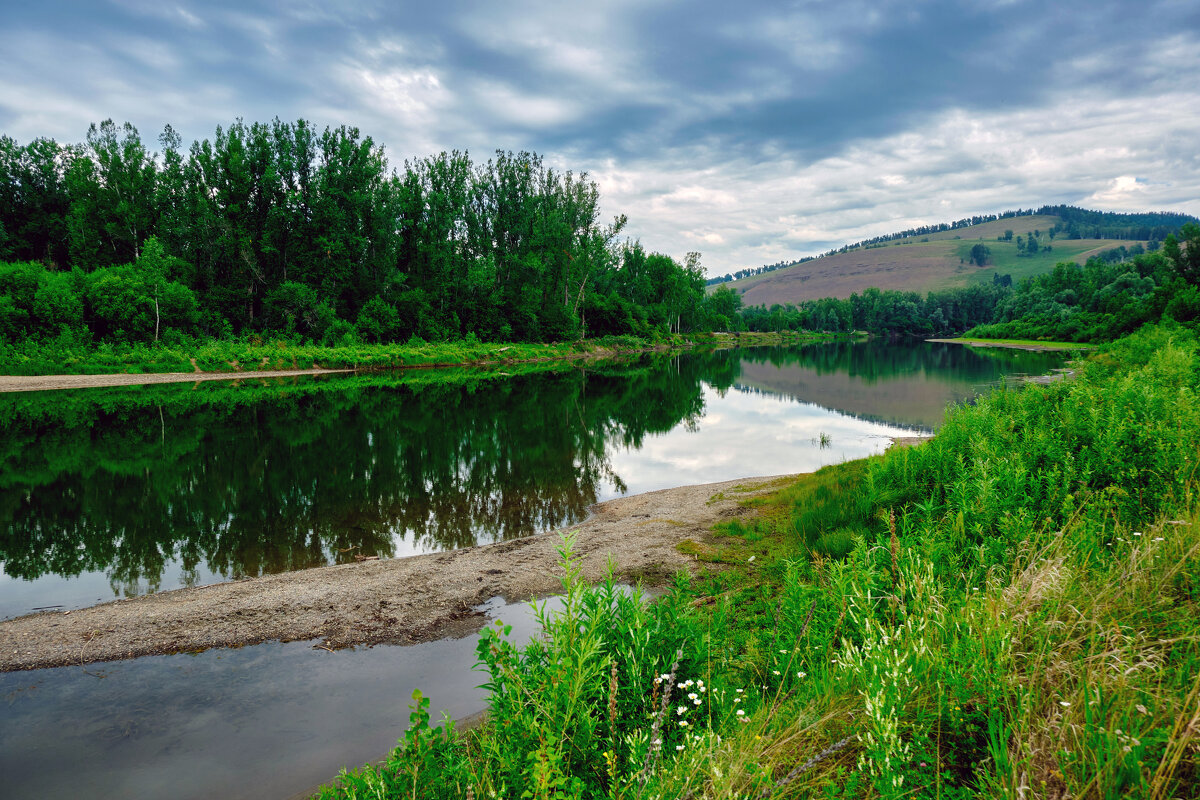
{"x": 750, "y": 131}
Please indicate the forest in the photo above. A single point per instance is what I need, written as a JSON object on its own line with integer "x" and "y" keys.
{"x": 282, "y": 228}
{"x": 282, "y": 231}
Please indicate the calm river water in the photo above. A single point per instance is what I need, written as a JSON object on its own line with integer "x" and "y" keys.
{"x": 116, "y": 492}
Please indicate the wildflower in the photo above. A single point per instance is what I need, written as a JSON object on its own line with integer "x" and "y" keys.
{"x": 784, "y": 652}
{"x": 741, "y": 712}
{"x": 801, "y": 674}
{"x": 773, "y": 672}
{"x": 1064, "y": 704}
{"x": 681, "y": 710}
{"x": 748, "y": 560}
{"x": 697, "y": 701}
{"x": 739, "y": 691}
{"x": 683, "y": 723}
{"x": 678, "y": 747}
{"x": 737, "y": 699}
{"x": 692, "y": 695}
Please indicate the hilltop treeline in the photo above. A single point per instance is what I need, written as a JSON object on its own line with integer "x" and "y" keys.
{"x": 284, "y": 228}
{"x": 1080, "y": 223}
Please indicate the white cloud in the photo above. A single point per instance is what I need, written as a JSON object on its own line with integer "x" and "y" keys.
{"x": 511, "y": 106}
{"x": 1124, "y": 191}
{"x": 1080, "y": 149}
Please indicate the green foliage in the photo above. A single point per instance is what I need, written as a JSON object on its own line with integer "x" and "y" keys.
{"x": 1017, "y": 608}
{"x": 1101, "y": 301}
{"x": 430, "y": 762}
{"x": 1184, "y": 252}
{"x": 281, "y": 229}
{"x": 887, "y": 313}
{"x": 980, "y": 254}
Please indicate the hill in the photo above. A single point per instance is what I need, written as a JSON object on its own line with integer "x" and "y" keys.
{"x": 940, "y": 257}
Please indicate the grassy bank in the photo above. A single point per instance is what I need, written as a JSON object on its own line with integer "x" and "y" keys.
{"x": 184, "y": 355}
{"x": 1011, "y": 609}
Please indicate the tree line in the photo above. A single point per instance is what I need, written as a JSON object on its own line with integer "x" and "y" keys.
{"x": 280, "y": 227}
{"x": 888, "y": 313}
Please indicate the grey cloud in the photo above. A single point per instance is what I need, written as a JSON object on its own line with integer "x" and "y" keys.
{"x": 824, "y": 122}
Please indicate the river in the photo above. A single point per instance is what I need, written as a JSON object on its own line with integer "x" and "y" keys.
{"x": 107, "y": 493}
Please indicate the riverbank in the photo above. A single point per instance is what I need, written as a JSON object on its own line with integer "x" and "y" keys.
{"x": 394, "y": 601}
{"x": 241, "y": 358}
{"x": 41, "y": 383}
{"x": 1009, "y": 609}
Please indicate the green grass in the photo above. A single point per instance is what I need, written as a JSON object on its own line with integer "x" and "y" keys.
{"x": 1005, "y": 259}
{"x": 1011, "y": 609}
{"x": 255, "y": 354}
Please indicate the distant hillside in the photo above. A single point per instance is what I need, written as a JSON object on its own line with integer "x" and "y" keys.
{"x": 941, "y": 256}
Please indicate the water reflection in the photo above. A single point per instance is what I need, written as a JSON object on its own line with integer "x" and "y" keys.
{"x": 123, "y": 491}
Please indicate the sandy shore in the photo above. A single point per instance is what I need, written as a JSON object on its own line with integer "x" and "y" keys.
{"x": 396, "y": 601}
{"x": 38, "y": 383}
{"x": 1037, "y": 348}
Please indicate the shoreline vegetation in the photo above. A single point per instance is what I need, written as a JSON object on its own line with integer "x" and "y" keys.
{"x": 1009, "y": 609}
{"x": 221, "y": 359}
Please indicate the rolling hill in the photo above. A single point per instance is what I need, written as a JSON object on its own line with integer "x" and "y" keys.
{"x": 922, "y": 262}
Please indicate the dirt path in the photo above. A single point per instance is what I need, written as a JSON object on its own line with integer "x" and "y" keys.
{"x": 38, "y": 383}
{"x": 395, "y": 601}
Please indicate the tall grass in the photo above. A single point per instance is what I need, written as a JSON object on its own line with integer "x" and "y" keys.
{"x": 1009, "y": 610}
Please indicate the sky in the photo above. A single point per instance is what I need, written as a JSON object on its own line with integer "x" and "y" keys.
{"x": 752, "y": 132}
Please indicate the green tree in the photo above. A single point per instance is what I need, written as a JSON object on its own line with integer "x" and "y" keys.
{"x": 1184, "y": 252}
{"x": 112, "y": 196}
{"x": 980, "y": 254}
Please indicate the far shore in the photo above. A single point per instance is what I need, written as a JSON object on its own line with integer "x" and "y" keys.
{"x": 492, "y": 356}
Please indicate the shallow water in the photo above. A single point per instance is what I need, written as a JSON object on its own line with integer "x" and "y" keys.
{"x": 272, "y": 720}
{"x": 107, "y": 493}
